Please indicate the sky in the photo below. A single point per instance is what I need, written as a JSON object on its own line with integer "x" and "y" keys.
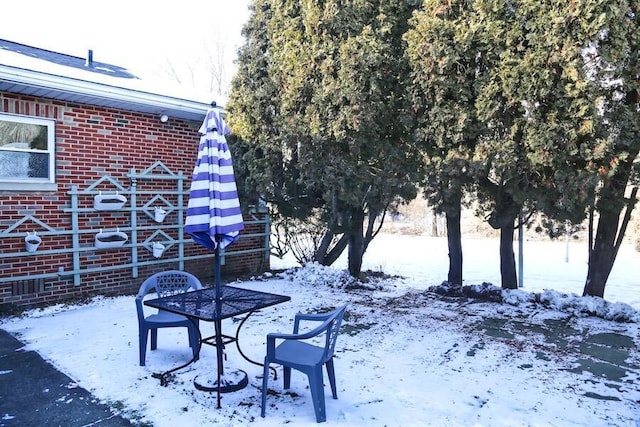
{"x": 405, "y": 357}
{"x": 140, "y": 35}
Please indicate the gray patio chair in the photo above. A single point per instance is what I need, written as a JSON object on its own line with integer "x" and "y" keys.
{"x": 166, "y": 283}
{"x": 295, "y": 352}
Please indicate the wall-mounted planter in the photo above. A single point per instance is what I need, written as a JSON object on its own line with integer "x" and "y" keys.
{"x": 159, "y": 214}
{"x": 158, "y": 249}
{"x": 110, "y": 239}
{"x": 109, "y": 202}
{"x": 31, "y": 242}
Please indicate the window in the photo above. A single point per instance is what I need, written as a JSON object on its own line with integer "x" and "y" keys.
{"x": 27, "y": 147}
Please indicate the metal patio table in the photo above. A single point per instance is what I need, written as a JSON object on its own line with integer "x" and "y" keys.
{"x": 203, "y": 305}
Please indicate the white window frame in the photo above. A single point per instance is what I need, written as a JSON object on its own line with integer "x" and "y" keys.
{"x": 33, "y": 184}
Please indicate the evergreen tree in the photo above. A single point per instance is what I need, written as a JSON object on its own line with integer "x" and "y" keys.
{"x": 446, "y": 65}
{"x": 341, "y": 144}
{"x": 614, "y": 69}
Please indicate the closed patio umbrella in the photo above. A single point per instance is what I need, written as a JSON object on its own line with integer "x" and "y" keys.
{"x": 214, "y": 219}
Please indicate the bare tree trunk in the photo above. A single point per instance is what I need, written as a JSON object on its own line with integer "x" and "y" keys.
{"x": 503, "y": 218}
{"x": 507, "y": 258}
{"x": 356, "y": 243}
{"x": 602, "y": 255}
{"x": 607, "y": 243}
{"x": 372, "y": 230}
{"x": 434, "y": 225}
{"x": 323, "y": 247}
{"x": 328, "y": 258}
{"x": 454, "y": 240}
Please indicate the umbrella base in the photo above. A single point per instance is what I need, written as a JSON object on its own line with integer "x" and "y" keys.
{"x": 229, "y": 382}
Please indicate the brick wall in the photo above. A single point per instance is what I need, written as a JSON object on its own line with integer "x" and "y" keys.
{"x": 236, "y": 265}
{"x": 92, "y": 142}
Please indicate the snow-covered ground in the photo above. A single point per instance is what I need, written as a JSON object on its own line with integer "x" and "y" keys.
{"x": 406, "y": 357}
{"x": 424, "y": 262}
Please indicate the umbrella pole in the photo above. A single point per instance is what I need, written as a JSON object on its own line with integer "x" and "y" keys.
{"x": 218, "y": 323}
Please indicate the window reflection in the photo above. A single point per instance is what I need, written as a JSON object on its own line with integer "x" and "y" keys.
{"x": 26, "y": 148}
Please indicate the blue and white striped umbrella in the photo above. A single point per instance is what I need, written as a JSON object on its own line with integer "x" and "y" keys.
{"x": 214, "y": 219}
{"x": 213, "y": 213}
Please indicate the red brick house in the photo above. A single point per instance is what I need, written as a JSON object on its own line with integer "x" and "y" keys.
{"x": 88, "y": 154}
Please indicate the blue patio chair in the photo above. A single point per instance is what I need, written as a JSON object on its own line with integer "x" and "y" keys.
{"x": 166, "y": 283}
{"x": 295, "y": 352}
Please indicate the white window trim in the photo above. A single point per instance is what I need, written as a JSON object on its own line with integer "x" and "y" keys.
{"x": 34, "y": 184}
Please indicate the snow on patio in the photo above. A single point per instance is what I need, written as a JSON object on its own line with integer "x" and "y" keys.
{"x": 406, "y": 357}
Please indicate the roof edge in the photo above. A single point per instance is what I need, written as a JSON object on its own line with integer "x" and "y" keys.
{"x": 100, "y": 90}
